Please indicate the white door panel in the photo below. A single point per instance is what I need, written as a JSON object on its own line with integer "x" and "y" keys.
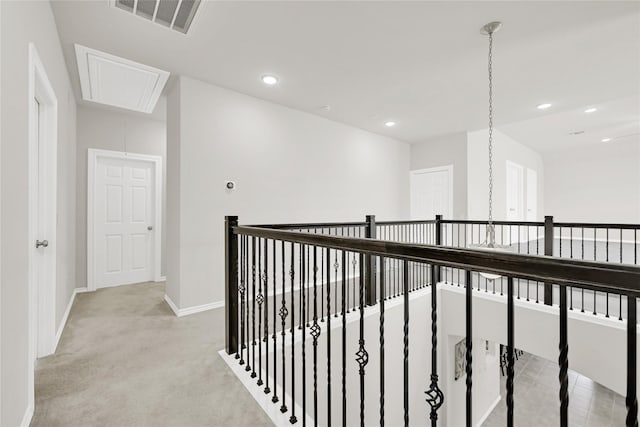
{"x": 123, "y": 213}
{"x": 431, "y": 193}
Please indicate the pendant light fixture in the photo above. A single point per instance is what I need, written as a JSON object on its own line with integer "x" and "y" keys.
{"x": 490, "y": 239}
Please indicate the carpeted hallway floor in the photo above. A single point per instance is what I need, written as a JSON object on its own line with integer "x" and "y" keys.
{"x": 125, "y": 359}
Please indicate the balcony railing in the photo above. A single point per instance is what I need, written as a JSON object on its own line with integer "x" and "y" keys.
{"x": 285, "y": 284}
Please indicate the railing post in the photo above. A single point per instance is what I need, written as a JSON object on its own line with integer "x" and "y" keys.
{"x": 548, "y": 250}
{"x": 370, "y": 263}
{"x": 438, "y": 243}
{"x": 231, "y": 284}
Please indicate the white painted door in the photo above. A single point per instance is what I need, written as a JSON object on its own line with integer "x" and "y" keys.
{"x": 515, "y": 183}
{"x": 124, "y": 221}
{"x": 532, "y": 201}
{"x": 431, "y": 193}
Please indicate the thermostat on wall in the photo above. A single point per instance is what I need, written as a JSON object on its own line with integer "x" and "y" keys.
{"x": 230, "y": 185}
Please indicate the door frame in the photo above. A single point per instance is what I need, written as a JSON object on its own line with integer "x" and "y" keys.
{"x": 42, "y": 134}
{"x": 93, "y": 156}
{"x": 449, "y": 170}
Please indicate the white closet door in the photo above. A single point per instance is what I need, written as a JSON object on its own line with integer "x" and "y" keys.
{"x": 124, "y": 215}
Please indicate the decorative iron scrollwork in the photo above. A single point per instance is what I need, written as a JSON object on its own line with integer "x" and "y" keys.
{"x": 260, "y": 299}
{"x": 362, "y": 357}
{"x": 435, "y": 397}
{"x": 315, "y": 332}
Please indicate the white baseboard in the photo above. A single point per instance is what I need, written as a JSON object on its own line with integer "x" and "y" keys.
{"x": 489, "y": 411}
{"x": 161, "y": 279}
{"x": 65, "y": 316}
{"x": 28, "y": 415}
{"x": 180, "y": 312}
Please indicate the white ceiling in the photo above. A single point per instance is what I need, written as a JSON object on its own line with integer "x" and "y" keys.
{"x": 421, "y": 64}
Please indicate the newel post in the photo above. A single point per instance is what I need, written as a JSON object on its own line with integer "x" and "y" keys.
{"x": 370, "y": 263}
{"x": 548, "y": 250}
{"x": 231, "y": 284}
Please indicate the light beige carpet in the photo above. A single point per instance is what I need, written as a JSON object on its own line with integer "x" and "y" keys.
{"x": 125, "y": 359}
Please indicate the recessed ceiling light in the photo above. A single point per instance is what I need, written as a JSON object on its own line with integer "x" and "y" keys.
{"x": 591, "y": 110}
{"x": 390, "y": 124}
{"x": 269, "y": 80}
{"x": 543, "y": 106}
{"x": 606, "y": 139}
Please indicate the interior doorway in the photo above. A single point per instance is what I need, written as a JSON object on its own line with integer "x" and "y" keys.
{"x": 123, "y": 218}
{"x": 42, "y": 193}
{"x": 515, "y": 190}
{"x": 432, "y": 193}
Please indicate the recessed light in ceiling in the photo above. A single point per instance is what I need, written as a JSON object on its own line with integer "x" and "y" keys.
{"x": 543, "y": 106}
{"x": 269, "y": 80}
{"x": 390, "y": 124}
{"x": 606, "y": 139}
{"x": 591, "y": 110}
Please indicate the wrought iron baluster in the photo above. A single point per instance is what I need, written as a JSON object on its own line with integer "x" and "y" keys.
{"x": 563, "y": 359}
{"x": 510, "y": 351}
{"x": 242, "y": 289}
{"x": 383, "y": 297}
{"x": 632, "y": 399}
{"x": 344, "y": 340}
{"x": 292, "y": 418}
{"x": 328, "y": 266}
{"x": 362, "y": 357}
{"x": 267, "y": 389}
{"x": 322, "y": 285}
{"x": 253, "y": 311}
{"x": 275, "y": 399}
{"x": 435, "y": 398}
{"x": 406, "y": 352}
{"x": 303, "y": 276}
{"x": 260, "y": 299}
{"x": 315, "y": 333}
{"x": 469, "y": 354}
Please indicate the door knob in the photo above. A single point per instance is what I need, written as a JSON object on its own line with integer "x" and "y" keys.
{"x": 150, "y": 227}
{"x": 43, "y": 243}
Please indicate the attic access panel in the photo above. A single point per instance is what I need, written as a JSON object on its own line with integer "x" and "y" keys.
{"x": 111, "y": 80}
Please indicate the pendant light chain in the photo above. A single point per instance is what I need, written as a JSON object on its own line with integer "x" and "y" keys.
{"x": 491, "y": 130}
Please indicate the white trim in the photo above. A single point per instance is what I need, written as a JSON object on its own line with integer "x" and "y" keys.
{"x": 93, "y": 156}
{"x": 28, "y": 415}
{"x": 489, "y": 411}
{"x": 65, "y": 316}
{"x": 447, "y": 168}
{"x": 42, "y": 296}
{"x": 162, "y": 279}
{"x": 278, "y": 418}
{"x": 194, "y": 309}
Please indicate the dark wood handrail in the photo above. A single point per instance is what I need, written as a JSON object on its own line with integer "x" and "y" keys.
{"x": 597, "y": 276}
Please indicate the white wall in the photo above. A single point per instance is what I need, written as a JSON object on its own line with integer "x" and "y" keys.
{"x": 504, "y": 148}
{"x": 289, "y": 166}
{"x": 446, "y": 150}
{"x": 596, "y": 183}
{"x": 24, "y": 22}
{"x": 110, "y": 130}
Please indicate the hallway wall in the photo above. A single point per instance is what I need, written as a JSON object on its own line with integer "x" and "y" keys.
{"x": 22, "y": 23}
{"x": 446, "y": 150}
{"x": 288, "y": 166}
{"x": 598, "y": 183}
{"x": 118, "y": 131}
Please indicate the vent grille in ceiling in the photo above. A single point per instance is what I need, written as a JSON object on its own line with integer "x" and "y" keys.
{"x": 175, "y": 14}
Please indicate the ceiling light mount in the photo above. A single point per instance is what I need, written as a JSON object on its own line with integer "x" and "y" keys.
{"x": 390, "y": 123}
{"x": 491, "y": 27}
{"x": 269, "y": 79}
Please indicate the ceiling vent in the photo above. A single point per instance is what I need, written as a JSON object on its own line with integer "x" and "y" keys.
{"x": 111, "y": 80}
{"x": 174, "y": 14}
